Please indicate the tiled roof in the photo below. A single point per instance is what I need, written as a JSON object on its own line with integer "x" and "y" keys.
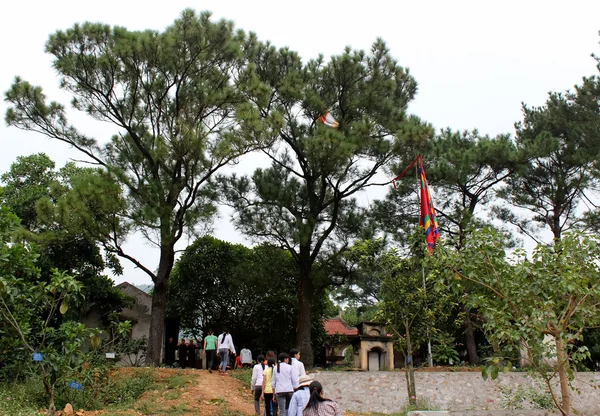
{"x": 337, "y": 326}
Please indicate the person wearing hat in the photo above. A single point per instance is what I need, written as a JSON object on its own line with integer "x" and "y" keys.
{"x": 301, "y": 396}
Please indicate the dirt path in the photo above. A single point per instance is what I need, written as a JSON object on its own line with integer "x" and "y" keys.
{"x": 186, "y": 392}
{"x": 209, "y": 394}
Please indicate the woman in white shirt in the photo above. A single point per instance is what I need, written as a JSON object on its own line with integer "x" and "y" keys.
{"x": 257, "y": 381}
{"x": 285, "y": 381}
{"x": 296, "y": 363}
{"x": 225, "y": 344}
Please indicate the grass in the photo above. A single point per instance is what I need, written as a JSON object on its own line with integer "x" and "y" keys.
{"x": 150, "y": 407}
{"x": 172, "y": 394}
{"x": 22, "y": 399}
{"x": 243, "y": 374}
{"x": 179, "y": 380}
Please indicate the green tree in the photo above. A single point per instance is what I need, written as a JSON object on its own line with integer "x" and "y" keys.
{"x": 252, "y": 292}
{"x": 173, "y": 99}
{"x": 32, "y": 188}
{"x": 561, "y": 139}
{"x": 27, "y": 310}
{"x": 464, "y": 169}
{"x": 305, "y": 200}
{"x": 555, "y": 293}
{"x": 406, "y": 302}
{"x": 28, "y": 180}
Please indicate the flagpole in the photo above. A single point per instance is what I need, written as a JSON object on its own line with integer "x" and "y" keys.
{"x": 429, "y": 356}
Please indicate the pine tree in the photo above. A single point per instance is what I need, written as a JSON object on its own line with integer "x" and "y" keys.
{"x": 173, "y": 100}
{"x": 305, "y": 201}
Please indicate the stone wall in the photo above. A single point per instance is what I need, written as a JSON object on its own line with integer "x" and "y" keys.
{"x": 385, "y": 391}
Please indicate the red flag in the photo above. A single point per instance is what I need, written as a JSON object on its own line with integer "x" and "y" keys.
{"x": 428, "y": 219}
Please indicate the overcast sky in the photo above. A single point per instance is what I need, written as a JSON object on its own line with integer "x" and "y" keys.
{"x": 475, "y": 61}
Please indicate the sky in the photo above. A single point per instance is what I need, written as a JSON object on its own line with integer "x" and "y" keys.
{"x": 475, "y": 61}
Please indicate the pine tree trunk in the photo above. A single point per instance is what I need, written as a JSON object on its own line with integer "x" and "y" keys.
{"x": 563, "y": 376}
{"x": 159, "y": 305}
{"x": 410, "y": 368}
{"x": 470, "y": 338}
{"x": 305, "y": 305}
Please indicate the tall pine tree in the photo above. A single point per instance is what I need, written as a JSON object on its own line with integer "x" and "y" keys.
{"x": 306, "y": 199}
{"x": 173, "y": 100}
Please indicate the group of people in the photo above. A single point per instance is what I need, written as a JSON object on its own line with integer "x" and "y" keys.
{"x": 280, "y": 381}
{"x": 187, "y": 353}
{"x": 284, "y": 385}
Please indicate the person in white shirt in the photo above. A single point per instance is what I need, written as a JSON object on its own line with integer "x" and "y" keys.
{"x": 296, "y": 363}
{"x": 246, "y": 357}
{"x": 257, "y": 381}
{"x": 225, "y": 344}
{"x": 284, "y": 382}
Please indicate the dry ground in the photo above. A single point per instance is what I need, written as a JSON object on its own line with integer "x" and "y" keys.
{"x": 187, "y": 392}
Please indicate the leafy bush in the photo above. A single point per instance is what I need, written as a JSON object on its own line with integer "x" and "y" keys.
{"x": 443, "y": 350}
{"x": 349, "y": 356}
{"x": 133, "y": 351}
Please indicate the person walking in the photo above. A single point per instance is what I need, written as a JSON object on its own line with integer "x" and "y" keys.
{"x": 267, "y": 388}
{"x": 296, "y": 363}
{"x": 300, "y": 397}
{"x": 191, "y": 351}
{"x": 170, "y": 348}
{"x": 182, "y": 352}
{"x": 245, "y": 357}
{"x": 273, "y": 403}
{"x": 284, "y": 382}
{"x": 210, "y": 350}
{"x": 225, "y": 345}
{"x": 318, "y": 405}
{"x": 257, "y": 382}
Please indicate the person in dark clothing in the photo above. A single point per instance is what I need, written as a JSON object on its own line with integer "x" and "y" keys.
{"x": 170, "y": 348}
{"x": 191, "y": 354}
{"x": 182, "y": 350}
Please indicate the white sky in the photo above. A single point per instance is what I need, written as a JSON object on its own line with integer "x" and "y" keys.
{"x": 475, "y": 61}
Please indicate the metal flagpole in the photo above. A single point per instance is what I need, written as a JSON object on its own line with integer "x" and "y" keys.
{"x": 429, "y": 356}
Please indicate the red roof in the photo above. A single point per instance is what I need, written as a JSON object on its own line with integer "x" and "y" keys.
{"x": 337, "y": 326}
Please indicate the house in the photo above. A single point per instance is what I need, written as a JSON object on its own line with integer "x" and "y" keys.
{"x": 341, "y": 336}
{"x": 140, "y": 313}
{"x": 371, "y": 346}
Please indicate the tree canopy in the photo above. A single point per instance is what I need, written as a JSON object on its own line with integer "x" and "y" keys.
{"x": 561, "y": 139}
{"x": 252, "y": 292}
{"x": 32, "y": 189}
{"x": 555, "y": 293}
{"x": 305, "y": 201}
{"x": 173, "y": 100}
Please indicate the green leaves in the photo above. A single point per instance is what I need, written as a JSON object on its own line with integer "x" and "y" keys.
{"x": 534, "y": 308}
{"x": 560, "y": 140}
{"x": 494, "y": 367}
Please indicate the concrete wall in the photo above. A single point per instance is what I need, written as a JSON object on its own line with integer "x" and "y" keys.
{"x": 385, "y": 391}
{"x": 139, "y": 314}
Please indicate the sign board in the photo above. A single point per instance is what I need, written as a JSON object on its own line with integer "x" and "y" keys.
{"x": 74, "y": 385}
{"x": 110, "y": 355}
{"x": 38, "y": 356}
